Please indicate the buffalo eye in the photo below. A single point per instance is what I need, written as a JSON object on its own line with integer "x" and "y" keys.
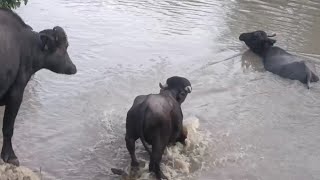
{"x": 183, "y": 93}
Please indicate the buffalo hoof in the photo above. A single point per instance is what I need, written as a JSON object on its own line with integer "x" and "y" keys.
{"x": 119, "y": 172}
{"x": 308, "y": 85}
{"x": 160, "y": 176}
{"x": 9, "y": 157}
{"x": 134, "y": 164}
{"x": 13, "y": 161}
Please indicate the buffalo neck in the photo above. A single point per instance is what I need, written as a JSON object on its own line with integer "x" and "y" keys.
{"x": 171, "y": 93}
{"x": 263, "y": 53}
{"x": 32, "y": 57}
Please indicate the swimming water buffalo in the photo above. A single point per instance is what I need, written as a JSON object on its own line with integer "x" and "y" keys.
{"x": 22, "y": 53}
{"x": 157, "y": 120}
{"x": 277, "y": 60}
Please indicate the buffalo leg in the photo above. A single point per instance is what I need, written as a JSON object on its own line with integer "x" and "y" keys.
{"x": 130, "y": 143}
{"x": 13, "y": 103}
{"x": 158, "y": 146}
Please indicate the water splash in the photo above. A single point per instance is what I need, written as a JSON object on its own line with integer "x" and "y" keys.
{"x": 178, "y": 162}
{"x": 187, "y": 160}
{"x": 10, "y": 172}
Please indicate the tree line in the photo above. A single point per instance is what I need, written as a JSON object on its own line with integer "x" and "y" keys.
{"x": 12, "y": 4}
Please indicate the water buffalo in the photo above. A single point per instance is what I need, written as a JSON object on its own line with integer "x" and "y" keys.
{"x": 277, "y": 60}
{"x": 157, "y": 120}
{"x": 22, "y": 53}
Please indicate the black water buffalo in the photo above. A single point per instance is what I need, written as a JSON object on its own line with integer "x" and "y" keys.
{"x": 157, "y": 120}
{"x": 277, "y": 60}
{"x": 22, "y": 53}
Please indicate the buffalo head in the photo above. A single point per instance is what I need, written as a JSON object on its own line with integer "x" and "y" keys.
{"x": 179, "y": 84}
{"x": 257, "y": 41}
{"x": 54, "y": 44}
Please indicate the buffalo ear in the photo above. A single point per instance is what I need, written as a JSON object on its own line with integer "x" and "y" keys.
{"x": 47, "y": 42}
{"x": 268, "y": 42}
{"x": 271, "y": 41}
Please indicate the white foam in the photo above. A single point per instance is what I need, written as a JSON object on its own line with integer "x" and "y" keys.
{"x": 180, "y": 161}
{"x": 186, "y": 160}
{"x": 10, "y": 172}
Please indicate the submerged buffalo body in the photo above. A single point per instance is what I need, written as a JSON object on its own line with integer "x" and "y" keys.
{"x": 157, "y": 120}
{"x": 22, "y": 53}
{"x": 277, "y": 60}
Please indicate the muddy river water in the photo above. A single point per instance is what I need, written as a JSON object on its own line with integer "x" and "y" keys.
{"x": 244, "y": 122}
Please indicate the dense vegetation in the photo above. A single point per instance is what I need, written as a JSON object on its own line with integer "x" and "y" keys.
{"x": 12, "y": 4}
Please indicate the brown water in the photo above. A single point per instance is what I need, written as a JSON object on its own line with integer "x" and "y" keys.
{"x": 252, "y": 124}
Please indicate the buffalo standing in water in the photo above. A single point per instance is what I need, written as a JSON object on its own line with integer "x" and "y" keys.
{"x": 157, "y": 120}
{"x": 277, "y": 60}
{"x": 23, "y": 52}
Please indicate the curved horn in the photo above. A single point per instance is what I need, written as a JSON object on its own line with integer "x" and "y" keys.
{"x": 59, "y": 29}
{"x": 60, "y": 34}
{"x": 272, "y": 35}
{"x": 188, "y": 89}
{"x": 163, "y": 86}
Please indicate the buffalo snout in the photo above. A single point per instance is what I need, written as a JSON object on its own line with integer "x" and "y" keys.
{"x": 71, "y": 69}
{"x": 65, "y": 64}
{"x": 242, "y": 37}
{"x": 60, "y": 62}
